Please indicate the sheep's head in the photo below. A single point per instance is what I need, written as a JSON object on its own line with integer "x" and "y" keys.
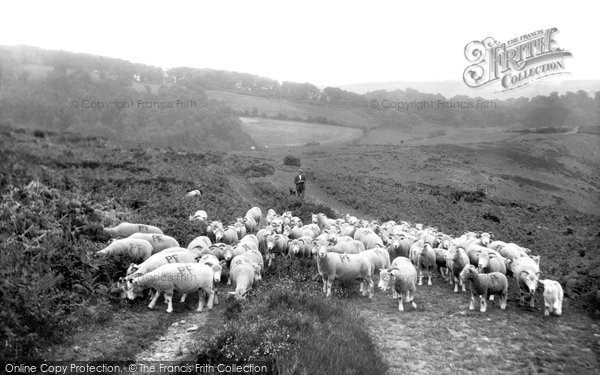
{"x": 322, "y": 252}
{"x": 270, "y": 242}
{"x": 468, "y": 273}
{"x": 385, "y": 279}
{"x": 217, "y": 268}
{"x": 219, "y": 233}
{"x": 484, "y": 260}
{"x": 131, "y": 288}
{"x": 530, "y": 279}
{"x": 295, "y": 247}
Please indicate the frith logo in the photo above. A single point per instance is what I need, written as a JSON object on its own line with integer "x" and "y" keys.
{"x": 515, "y": 63}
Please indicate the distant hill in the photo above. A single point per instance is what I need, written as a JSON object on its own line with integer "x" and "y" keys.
{"x": 454, "y": 88}
{"x": 113, "y": 98}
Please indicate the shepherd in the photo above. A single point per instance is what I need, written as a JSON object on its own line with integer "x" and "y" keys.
{"x": 299, "y": 180}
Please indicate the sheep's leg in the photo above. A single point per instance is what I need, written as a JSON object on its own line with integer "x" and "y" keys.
{"x": 182, "y": 300}
{"x": 400, "y": 301}
{"x": 472, "y": 303}
{"x": 362, "y": 287}
{"x": 521, "y": 298}
{"x": 503, "y": 298}
{"x": 394, "y": 294}
{"x": 456, "y": 282}
{"x": 169, "y": 297}
{"x": 482, "y": 303}
{"x": 154, "y": 299}
{"x": 229, "y": 280}
{"x": 462, "y": 283}
{"x": 411, "y": 299}
{"x": 532, "y": 300}
{"x": 420, "y": 276}
{"x": 429, "y": 277}
{"x": 211, "y": 300}
{"x": 329, "y": 284}
{"x": 370, "y": 287}
{"x": 558, "y": 308}
{"x": 324, "y": 285}
{"x": 216, "y": 299}
{"x": 547, "y": 308}
{"x": 200, "y": 300}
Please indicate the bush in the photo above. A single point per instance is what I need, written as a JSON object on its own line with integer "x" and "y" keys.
{"x": 39, "y": 134}
{"x": 291, "y": 161}
{"x": 295, "y": 332}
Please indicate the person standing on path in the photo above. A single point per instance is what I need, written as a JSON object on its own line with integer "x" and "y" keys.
{"x": 300, "y": 180}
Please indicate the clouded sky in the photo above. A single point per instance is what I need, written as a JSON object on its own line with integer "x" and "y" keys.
{"x": 322, "y": 42}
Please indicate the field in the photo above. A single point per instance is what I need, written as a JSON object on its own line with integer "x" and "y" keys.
{"x": 355, "y": 118}
{"x": 526, "y": 190}
{"x": 278, "y": 133}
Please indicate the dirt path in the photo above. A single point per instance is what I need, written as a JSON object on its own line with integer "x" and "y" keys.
{"x": 438, "y": 336}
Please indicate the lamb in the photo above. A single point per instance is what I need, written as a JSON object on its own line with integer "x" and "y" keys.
{"x": 403, "y": 277}
{"x": 132, "y": 247}
{"x": 344, "y": 267}
{"x": 159, "y": 242}
{"x": 199, "y": 215}
{"x": 553, "y": 297}
{"x": 482, "y": 285}
{"x": 526, "y": 272}
{"x": 127, "y": 229}
{"x": 183, "y": 277}
{"x": 149, "y": 265}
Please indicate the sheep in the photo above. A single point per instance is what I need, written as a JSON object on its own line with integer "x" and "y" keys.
{"x": 344, "y": 267}
{"x": 133, "y": 247}
{"x": 378, "y": 257}
{"x": 482, "y": 285}
{"x": 426, "y": 261}
{"x": 159, "y": 242}
{"x": 314, "y": 228}
{"x": 271, "y": 214}
{"x": 293, "y": 232}
{"x": 212, "y": 229}
{"x": 371, "y": 240}
{"x": 256, "y": 257}
{"x": 322, "y": 221}
{"x": 256, "y": 214}
{"x": 194, "y": 193}
{"x": 242, "y": 274}
{"x": 262, "y": 235}
{"x": 217, "y": 266}
{"x": 183, "y": 277}
{"x": 127, "y": 229}
{"x": 348, "y": 230}
{"x": 399, "y": 245}
{"x": 250, "y": 224}
{"x": 196, "y": 252}
{"x": 241, "y": 229}
{"x": 199, "y": 215}
{"x": 526, "y": 272}
{"x": 277, "y": 244}
{"x": 251, "y": 241}
{"x": 553, "y": 297}
{"x": 403, "y": 277}
{"x": 301, "y": 247}
{"x": 228, "y": 236}
{"x": 347, "y": 247}
{"x": 459, "y": 259}
{"x": 200, "y": 241}
{"x": 491, "y": 261}
{"x": 150, "y": 264}
{"x": 441, "y": 262}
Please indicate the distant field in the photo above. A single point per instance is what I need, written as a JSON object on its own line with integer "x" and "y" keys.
{"x": 277, "y": 133}
{"x": 271, "y": 107}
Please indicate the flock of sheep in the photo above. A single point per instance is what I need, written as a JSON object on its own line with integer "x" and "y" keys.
{"x": 345, "y": 249}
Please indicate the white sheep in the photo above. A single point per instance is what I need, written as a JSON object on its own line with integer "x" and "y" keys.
{"x": 402, "y": 278}
{"x": 199, "y": 215}
{"x": 194, "y": 193}
{"x": 200, "y": 242}
{"x": 132, "y": 247}
{"x": 347, "y": 247}
{"x": 127, "y": 229}
{"x": 458, "y": 260}
{"x": 243, "y": 273}
{"x": 183, "y": 277}
{"x": 426, "y": 262}
{"x": 333, "y": 266}
{"x": 483, "y": 285}
{"x": 553, "y": 297}
{"x": 159, "y": 242}
{"x": 149, "y": 265}
{"x": 526, "y": 272}
{"x": 378, "y": 257}
{"x": 256, "y": 214}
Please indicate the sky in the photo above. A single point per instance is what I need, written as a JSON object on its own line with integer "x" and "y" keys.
{"x": 322, "y": 42}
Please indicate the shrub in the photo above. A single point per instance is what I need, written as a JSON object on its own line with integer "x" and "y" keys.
{"x": 291, "y": 161}
{"x": 39, "y": 134}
